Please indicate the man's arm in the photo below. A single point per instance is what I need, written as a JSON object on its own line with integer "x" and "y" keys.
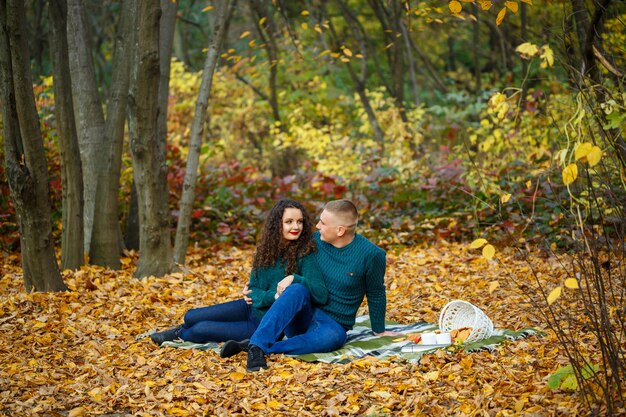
{"x": 311, "y": 277}
{"x": 375, "y": 290}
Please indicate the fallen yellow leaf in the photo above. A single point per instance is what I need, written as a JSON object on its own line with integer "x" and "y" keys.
{"x": 237, "y": 376}
{"x": 554, "y": 294}
{"x": 431, "y": 376}
{"x": 478, "y": 243}
{"x": 489, "y": 251}
{"x": 76, "y": 412}
{"x": 571, "y": 283}
{"x": 274, "y": 404}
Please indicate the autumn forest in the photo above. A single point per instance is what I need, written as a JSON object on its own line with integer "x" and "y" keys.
{"x": 144, "y": 143}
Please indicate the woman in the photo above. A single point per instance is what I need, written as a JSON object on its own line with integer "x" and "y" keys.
{"x": 283, "y": 256}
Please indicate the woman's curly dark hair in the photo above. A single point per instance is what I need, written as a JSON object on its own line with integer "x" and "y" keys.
{"x": 272, "y": 246}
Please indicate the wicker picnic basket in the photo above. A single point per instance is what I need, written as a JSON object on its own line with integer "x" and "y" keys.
{"x": 457, "y": 314}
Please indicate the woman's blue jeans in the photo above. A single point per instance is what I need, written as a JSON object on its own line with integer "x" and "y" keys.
{"x": 233, "y": 320}
{"x": 308, "y": 329}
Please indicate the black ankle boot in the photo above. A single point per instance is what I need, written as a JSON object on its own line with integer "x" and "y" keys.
{"x": 166, "y": 335}
{"x": 232, "y": 347}
{"x": 256, "y": 359}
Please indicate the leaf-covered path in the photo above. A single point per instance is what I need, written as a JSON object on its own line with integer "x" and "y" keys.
{"x": 75, "y": 353}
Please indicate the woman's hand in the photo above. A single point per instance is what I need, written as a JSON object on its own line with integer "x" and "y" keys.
{"x": 245, "y": 293}
{"x": 283, "y": 284}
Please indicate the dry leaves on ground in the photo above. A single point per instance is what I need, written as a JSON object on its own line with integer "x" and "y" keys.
{"x": 75, "y": 353}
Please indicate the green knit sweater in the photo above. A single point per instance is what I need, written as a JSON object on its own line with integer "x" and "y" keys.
{"x": 263, "y": 283}
{"x": 351, "y": 273}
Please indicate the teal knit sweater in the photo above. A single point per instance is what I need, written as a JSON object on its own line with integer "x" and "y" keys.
{"x": 263, "y": 283}
{"x": 351, "y": 273}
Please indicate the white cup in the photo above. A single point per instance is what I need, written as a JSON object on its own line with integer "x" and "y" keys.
{"x": 444, "y": 339}
{"x": 429, "y": 338}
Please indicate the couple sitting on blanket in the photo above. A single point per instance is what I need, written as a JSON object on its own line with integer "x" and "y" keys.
{"x": 303, "y": 285}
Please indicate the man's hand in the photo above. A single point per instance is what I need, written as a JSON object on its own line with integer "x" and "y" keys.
{"x": 283, "y": 284}
{"x": 245, "y": 293}
{"x": 389, "y": 333}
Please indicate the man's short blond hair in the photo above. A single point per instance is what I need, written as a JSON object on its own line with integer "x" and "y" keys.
{"x": 346, "y": 211}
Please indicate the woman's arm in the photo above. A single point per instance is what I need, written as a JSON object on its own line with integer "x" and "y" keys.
{"x": 262, "y": 296}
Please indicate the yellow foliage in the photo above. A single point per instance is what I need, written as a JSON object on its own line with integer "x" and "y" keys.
{"x": 554, "y": 295}
{"x": 594, "y": 156}
{"x": 512, "y": 6}
{"x": 500, "y": 16}
{"x": 507, "y": 136}
{"x": 587, "y": 152}
{"x": 478, "y": 243}
{"x": 547, "y": 56}
{"x": 570, "y": 173}
{"x": 527, "y": 50}
{"x": 485, "y": 4}
{"x": 489, "y": 251}
{"x": 455, "y": 6}
{"x": 582, "y": 150}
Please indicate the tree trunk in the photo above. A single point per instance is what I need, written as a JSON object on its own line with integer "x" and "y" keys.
{"x": 88, "y": 111}
{"x": 451, "y": 61}
{"x": 36, "y": 35}
{"x": 105, "y": 240}
{"x": 72, "y": 252}
{"x": 132, "y": 218}
{"x": 389, "y": 14}
{"x": 581, "y": 19}
{"x": 411, "y": 64}
{"x": 197, "y": 129}
{"x": 166, "y": 41}
{"x": 25, "y": 158}
{"x": 498, "y": 42}
{"x": 148, "y": 151}
{"x": 283, "y": 161}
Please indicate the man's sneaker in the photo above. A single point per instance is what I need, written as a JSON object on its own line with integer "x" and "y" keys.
{"x": 166, "y": 335}
{"x": 233, "y": 347}
{"x": 256, "y": 359}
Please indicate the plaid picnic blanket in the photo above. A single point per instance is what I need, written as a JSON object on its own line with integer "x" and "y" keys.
{"x": 362, "y": 342}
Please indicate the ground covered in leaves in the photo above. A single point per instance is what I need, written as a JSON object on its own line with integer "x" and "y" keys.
{"x": 75, "y": 353}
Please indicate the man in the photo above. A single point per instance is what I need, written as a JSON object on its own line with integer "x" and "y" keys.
{"x": 352, "y": 266}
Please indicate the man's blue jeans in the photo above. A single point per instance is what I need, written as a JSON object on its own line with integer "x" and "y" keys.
{"x": 308, "y": 329}
{"x": 233, "y": 320}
